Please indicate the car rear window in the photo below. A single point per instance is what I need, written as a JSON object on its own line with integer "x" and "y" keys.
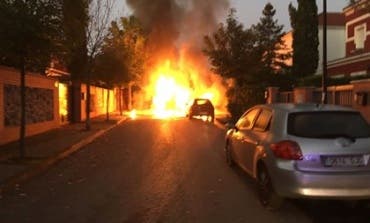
{"x": 328, "y": 125}
{"x": 201, "y": 102}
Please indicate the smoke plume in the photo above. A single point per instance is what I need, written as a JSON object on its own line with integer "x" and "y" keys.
{"x": 172, "y": 23}
{"x": 176, "y": 31}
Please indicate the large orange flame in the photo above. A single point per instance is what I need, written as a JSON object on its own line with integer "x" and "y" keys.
{"x": 174, "y": 85}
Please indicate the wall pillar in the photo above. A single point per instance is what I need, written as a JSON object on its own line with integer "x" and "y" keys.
{"x": 303, "y": 95}
{"x": 74, "y": 104}
{"x": 361, "y": 94}
{"x": 272, "y": 95}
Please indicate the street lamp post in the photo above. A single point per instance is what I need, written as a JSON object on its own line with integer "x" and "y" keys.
{"x": 324, "y": 98}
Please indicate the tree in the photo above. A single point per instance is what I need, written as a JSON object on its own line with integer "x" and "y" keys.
{"x": 135, "y": 41}
{"x": 97, "y": 29}
{"x": 85, "y": 26}
{"x": 110, "y": 68}
{"x": 304, "y": 21}
{"x": 29, "y": 37}
{"x": 75, "y": 24}
{"x": 123, "y": 56}
{"x": 351, "y": 2}
{"x": 269, "y": 40}
{"x": 233, "y": 54}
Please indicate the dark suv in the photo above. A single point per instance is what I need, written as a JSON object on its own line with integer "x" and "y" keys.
{"x": 202, "y": 107}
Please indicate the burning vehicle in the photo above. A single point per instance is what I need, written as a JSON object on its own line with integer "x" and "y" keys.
{"x": 202, "y": 108}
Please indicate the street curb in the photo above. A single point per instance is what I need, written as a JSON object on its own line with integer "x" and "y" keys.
{"x": 42, "y": 167}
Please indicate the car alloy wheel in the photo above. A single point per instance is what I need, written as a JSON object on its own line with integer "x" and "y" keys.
{"x": 267, "y": 195}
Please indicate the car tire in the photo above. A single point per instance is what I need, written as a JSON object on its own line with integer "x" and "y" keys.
{"x": 266, "y": 193}
{"x": 229, "y": 157}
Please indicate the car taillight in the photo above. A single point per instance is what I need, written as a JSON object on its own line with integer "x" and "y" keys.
{"x": 287, "y": 149}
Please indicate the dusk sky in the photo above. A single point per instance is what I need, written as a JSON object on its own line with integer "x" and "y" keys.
{"x": 249, "y": 11}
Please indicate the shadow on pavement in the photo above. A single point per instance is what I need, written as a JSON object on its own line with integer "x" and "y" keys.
{"x": 44, "y": 149}
{"x": 319, "y": 211}
{"x": 334, "y": 211}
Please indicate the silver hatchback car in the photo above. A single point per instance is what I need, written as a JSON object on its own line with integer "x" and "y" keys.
{"x": 302, "y": 151}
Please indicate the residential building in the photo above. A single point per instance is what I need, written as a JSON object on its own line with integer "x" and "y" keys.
{"x": 335, "y": 35}
{"x": 335, "y": 38}
{"x": 356, "y": 61}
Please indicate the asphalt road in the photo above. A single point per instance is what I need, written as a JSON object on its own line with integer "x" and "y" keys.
{"x": 156, "y": 171}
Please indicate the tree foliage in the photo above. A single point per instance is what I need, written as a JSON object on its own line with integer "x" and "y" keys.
{"x": 123, "y": 55}
{"x": 269, "y": 40}
{"x": 304, "y": 21}
{"x": 100, "y": 12}
{"x": 135, "y": 46}
{"x": 29, "y": 37}
{"x": 351, "y": 2}
{"x": 29, "y": 33}
{"x": 249, "y": 57}
{"x": 75, "y": 24}
{"x": 232, "y": 52}
{"x": 110, "y": 67}
{"x": 97, "y": 29}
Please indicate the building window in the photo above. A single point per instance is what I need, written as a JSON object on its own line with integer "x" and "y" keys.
{"x": 360, "y": 36}
{"x": 358, "y": 73}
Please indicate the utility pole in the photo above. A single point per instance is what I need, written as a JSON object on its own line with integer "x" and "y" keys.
{"x": 324, "y": 96}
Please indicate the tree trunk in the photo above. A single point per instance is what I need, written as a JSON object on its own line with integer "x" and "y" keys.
{"x": 88, "y": 100}
{"x": 107, "y": 112}
{"x": 129, "y": 96}
{"x": 120, "y": 100}
{"x": 22, "y": 129}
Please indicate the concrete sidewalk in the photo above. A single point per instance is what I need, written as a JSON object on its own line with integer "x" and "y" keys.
{"x": 45, "y": 149}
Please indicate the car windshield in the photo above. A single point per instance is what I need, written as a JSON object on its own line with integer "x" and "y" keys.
{"x": 328, "y": 125}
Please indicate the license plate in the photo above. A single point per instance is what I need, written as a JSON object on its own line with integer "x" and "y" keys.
{"x": 344, "y": 161}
